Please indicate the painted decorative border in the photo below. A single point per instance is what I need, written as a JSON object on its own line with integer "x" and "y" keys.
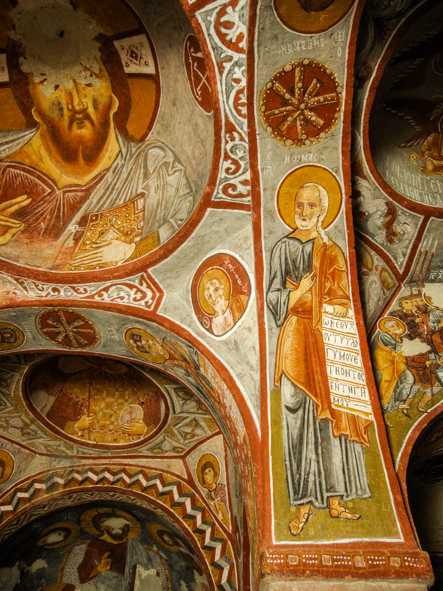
{"x": 225, "y": 26}
{"x": 138, "y": 291}
{"x": 379, "y": 562}
{"x": 164, "y": 488}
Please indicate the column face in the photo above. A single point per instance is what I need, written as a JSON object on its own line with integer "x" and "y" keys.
{"x": 331, "y": 480}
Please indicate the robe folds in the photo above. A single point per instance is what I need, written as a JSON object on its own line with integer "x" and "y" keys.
{"x": 300, "y": 349}
{"x": 396, "y": 379}
{"x": 146, "y": 178}
{"x": 323, "y": 449}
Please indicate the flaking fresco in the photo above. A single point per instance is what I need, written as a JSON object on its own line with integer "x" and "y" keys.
{"x": 207, "y": 380}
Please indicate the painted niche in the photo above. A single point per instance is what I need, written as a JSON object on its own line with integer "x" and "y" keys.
{"x": 99, "y": 402}
{"x": 101, "y": 546}
{"x": 405, "y": 128}
{"x": 94, "y": 173}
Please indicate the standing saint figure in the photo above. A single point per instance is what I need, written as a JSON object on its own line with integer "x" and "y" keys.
{"x": 396, "y": 387}
{"x": 323, "y": 449}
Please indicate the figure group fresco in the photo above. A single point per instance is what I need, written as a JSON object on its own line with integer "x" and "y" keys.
{"x": 81, "y": 188}
{"x": 409, "y": 356}
{"x": 101, "y": 547}
{"x": 180, "y": 327}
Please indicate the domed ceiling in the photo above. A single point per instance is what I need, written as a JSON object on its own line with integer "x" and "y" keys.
{"x": 187, "y": 394}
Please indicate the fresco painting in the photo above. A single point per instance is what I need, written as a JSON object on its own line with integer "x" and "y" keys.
{"x": 309, "y": 299}
{"x": 407, "y": 352}
{"x": 67, "y": 328}
{"x": 309, "y": 112}
{"x": 326, "y": 453}
{"x": 96, "y": 400}
{"x": 197, "y": 73}
{"x": 11, "y": 336}
{"x": 186, "y": 394}
{"x": 407, "y": 153}
{"x": 220, "y": 293}
{"x": 81, "y": 189}
{"x": 95, "y": 547}
{"x": 6, "y": 466}
{"x": 311, "y": 16}
{"x": 208, "y": 475}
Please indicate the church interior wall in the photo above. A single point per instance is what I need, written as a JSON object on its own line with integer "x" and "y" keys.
{"x": 220, "y": 301}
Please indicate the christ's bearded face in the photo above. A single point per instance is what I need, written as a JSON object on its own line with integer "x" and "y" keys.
{"x": 215, "y": 296}
{"x": 307, "y": 208}
{"x": 116, "y": 528}
{"x": 76, "y": 120}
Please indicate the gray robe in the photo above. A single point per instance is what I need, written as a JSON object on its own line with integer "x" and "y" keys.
{"x": 318, "y": 465}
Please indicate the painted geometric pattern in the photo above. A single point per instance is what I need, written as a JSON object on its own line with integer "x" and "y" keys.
{"x": 166, "y": 489}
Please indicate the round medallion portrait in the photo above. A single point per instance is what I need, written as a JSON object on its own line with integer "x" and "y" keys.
{"x": 220, "y": 293}
{"x": 95, "y": 401}
{"x": 86, "y": 185}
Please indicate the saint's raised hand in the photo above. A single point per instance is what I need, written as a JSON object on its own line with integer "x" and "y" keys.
{"x": 307, "y": 282}
{"x": 8, "y": 226}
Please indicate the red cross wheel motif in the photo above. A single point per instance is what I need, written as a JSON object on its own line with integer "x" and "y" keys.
{"x": 301, "y": 103}
{"x": 67, "y": 328}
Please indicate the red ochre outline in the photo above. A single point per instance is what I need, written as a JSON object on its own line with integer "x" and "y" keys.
{"x": 400, "y": 277}
{"x": 106, "y": 488}
{"x": 118, "y": 451}
{"x": 409, "y": 204}
{"x": 142, "y": 464}
{"x": 164, "y": 251}
{"x": 265, "y": 515}
{"x": 262, "y": 478}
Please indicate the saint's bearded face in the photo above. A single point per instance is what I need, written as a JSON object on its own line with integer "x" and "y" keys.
{"x": 394, "y": 328}
{"x": 76, "y": 121}
{"x": 215, "y": 296}
{"x": 307, "y": 208}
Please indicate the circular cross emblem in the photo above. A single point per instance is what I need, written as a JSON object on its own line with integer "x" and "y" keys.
{"x": 67, "y": 328}
{"x": 301, "y": 103}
